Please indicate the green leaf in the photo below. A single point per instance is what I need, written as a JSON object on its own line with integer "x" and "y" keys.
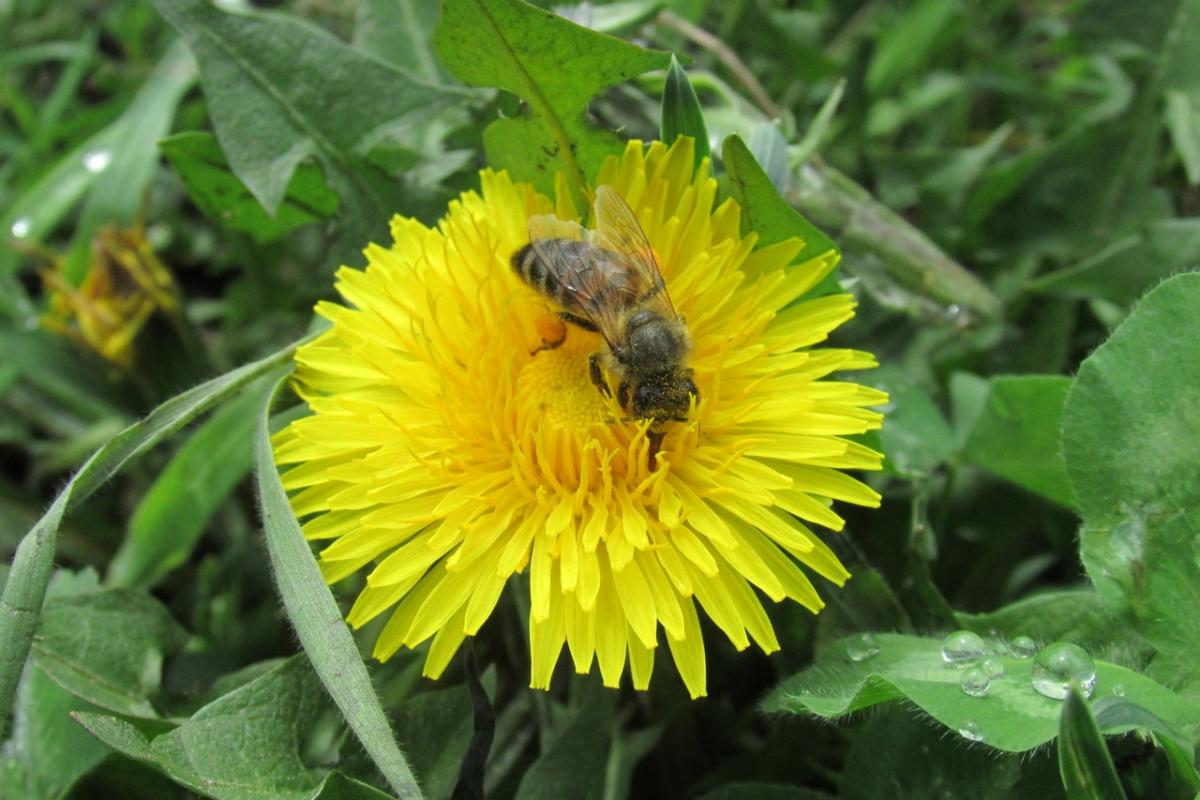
{"x": 681, "y": 113}
{"x": 766, "y": 212}
{"x": 769, "y": 148}
{"x": 1083, "y": 759}
{"x": 574, "y": 762}
{"x": 1123, "y": 270}
{"x": 1183, "y": 121}
{"x": 217, "y": 192}
{"x": 437, "y": 726}
{"x": 25, "y": 590}
{"x": 611, "y": 17}
{"x": 131, "y": 159}
{"x": 108, "y": 647}
{"x": 1129, "y": 431}
{"x": 907, "y": 44}
{"x": 48, "y": 752}
{"x": 70, "y": 377}
{"x": 900, "y": 756}
{"x": 917, "y": 437}
{"x": 1073, "y": 615}
{"x": 244, "y": 745}
{"x": 1118, "y": 715}
{"x": 556, "y": 67}
{"x": 318, "y": 621}
{"x": 1012, "y": 717}
{"x": 174, "y": 512}
{"x": 280, "y": 91}
{"x": 762, "y": 791}
{"x": 1017, "y": 434}
{"x": 400, "y": 32}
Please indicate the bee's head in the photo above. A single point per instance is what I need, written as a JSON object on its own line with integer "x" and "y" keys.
{"x": 665, "y": 398}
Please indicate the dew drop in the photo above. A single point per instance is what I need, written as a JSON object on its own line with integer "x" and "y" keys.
{"x": 975, "y": 682}
{"x": 20, "y": 227}
{"x": 993, "y": 668}
{"x": 1119, "y": 690}
{"x": 963, "y": 647}
{"x": 1060, "y": 665}
{"x": 1023, "y": 647}
{"x": 97, "y": 161}
{"x": 862, "y": 647}
{"x": 969, "y": 730}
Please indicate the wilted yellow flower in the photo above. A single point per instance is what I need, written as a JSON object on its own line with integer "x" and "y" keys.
{"x": 126, "y": 284}
{"x": 446, "y": 455}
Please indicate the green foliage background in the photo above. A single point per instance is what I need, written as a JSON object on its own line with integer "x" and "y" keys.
{"x": 1013, "y": 187}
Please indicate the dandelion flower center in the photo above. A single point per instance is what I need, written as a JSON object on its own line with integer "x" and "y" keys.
{"x": 557, "y": 384}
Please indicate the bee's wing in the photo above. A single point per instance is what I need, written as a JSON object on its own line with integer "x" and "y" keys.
{"x": 596, "y": 286}
{"x": 618, "y": 230}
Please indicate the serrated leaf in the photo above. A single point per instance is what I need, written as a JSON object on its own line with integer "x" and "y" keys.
{"x": 280, "y": 91}
{"x": 681, "y": 112}
{"x": 175, "y": 510}
{"x": 219, "y": 193}
{"x": 1017, "y": 434}
{"x": 315, "y": 615}
{"x": 108, "y": 647}
{"x": 243, "y": 746}
{"x": 1083, "y": 760}
{"x": 1012, "y": 717}
{"x": 25, "y": 590}
{"x": 1129, "y": 431}
{"x": 556, "y": 67}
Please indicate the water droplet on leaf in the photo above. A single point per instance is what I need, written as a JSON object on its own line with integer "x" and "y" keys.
{"x": 1119, "y": 690}
{"x": 975, "y": 682}
{"x": 97, "y": 161}
{"x": 1023, "y": 647}
{"x": 993, "y": 668}
{"x": 963, "y": 647}
{"x": 20, "y": 228}
{"x": 969, "y": 730}
{"x": 1060, "y": 665}
{"x": 862, "y": 647}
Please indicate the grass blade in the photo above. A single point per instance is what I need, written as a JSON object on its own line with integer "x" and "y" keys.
{"x": 21, "y": 602}
{"x": 318, "y": 622}
{"x": 1083, "y": 760}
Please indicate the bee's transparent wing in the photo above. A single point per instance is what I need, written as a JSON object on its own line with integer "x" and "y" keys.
{"x": 588, "y": 276}
{"x": 618, "y": 230}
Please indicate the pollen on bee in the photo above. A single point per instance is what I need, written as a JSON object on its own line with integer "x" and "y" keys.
{"x": 551, "y": 328}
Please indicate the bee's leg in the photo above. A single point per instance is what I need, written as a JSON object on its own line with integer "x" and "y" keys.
{"x": 623, "y": 395}
{"x": 597, "y": 375}
{"x": 578, "y": 321}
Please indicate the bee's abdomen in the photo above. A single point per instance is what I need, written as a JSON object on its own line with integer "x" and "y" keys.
{"x": 535, "y": 273}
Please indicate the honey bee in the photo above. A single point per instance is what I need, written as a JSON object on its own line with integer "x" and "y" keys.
{"x": 607, "y": 280}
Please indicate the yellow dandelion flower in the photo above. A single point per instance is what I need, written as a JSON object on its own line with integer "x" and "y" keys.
{"x": 445, "y": 454}
{"x": 126, "y": 285}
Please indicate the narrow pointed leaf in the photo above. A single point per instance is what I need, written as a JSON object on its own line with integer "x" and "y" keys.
{"x": 21, "y": 602}
{"x": 1083, "y": 759}
{"x": 681, "y": 113}
{"x": 318, "y": 621}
